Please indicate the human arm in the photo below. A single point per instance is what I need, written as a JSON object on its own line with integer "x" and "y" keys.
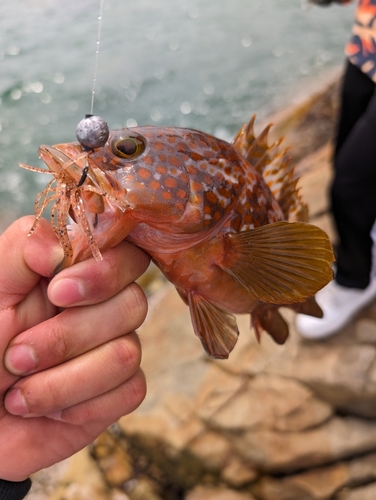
{"x": 84, "y": 370}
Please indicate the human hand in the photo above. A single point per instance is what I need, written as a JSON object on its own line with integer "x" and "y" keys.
{"x": 83, "y": 372}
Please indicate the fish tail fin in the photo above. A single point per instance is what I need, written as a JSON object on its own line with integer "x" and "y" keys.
{"x": 268, "y": 319}
{"x": 309, "y": 307}
{"x": 274, "y": 166}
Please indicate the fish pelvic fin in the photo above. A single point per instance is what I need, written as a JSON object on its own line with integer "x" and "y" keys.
{"x": 216, "y": 328}
{"x": 275, "y": 167}
{"x": 279, "y": 263}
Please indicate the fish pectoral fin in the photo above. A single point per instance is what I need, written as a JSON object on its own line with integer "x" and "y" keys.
{"x": 280, "y": 263}
{"x": 216, "y": 328}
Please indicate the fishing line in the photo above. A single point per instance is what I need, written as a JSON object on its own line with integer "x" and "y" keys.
{"x": 100, "y": 16}
{"x": 92, "y": 132}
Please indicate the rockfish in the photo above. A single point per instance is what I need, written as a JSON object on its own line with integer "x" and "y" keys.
{"x": 224, "y": 222}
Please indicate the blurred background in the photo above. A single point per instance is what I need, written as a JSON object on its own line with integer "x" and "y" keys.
{"x": 207, "y": 65}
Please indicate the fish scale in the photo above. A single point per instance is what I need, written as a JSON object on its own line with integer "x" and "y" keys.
{"x": 214, "y": 217}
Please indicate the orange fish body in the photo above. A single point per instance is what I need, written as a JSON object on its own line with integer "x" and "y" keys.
{"x": 212, "y": 215}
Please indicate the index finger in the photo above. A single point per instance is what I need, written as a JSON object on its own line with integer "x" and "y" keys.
{"x": 91, "y": 282}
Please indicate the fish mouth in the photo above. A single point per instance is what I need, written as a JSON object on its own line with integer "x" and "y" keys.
{"x": 81, "y": 170}
{"x": 90, "y": 213}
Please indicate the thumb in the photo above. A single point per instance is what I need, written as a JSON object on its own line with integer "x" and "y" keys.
{"x": 26, "y": 258}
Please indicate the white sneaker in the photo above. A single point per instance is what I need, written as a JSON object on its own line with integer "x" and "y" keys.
{"x": 339, "y": 305}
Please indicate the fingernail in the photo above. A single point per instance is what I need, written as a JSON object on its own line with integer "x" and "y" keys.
{"x": 66, "y": 291}
{"x": 15, "y": 403}
{"x": 20, "y": 359}
{"x": 55, "y": 416}
{"x": 57, "y": 256}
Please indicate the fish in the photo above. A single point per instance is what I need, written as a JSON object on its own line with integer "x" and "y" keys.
{"x": 224, "y": 222}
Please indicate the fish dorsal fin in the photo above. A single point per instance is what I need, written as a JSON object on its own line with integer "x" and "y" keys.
{"x": 279, "y": 176}
{"x": 280, "y": 263}
{"x": 274, "y": 166}
{"x": 245, "y": 137}
{"x": 254, "y": 148}
{"x": 216, "y": 328}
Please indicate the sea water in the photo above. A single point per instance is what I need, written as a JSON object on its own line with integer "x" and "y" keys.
{"x": 203, "y": 64}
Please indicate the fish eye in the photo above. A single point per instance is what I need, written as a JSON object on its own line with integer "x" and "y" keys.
{"x": 128, "y": 147}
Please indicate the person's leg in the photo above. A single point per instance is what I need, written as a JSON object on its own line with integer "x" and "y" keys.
{"x": 356, "y": 92}
{"x": 353, "y": 195}
{"x": 354, "y": 208}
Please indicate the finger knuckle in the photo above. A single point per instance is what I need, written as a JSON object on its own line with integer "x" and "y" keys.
{"x": 135, "y": 391}
{"x": 139, "y": 257}
{"x": 58, "y": 395}
{"x": 136, "y": 305}
{"x": 43, "y": 401}
{"x": 112, "y": 271}
{"x": 82, "y": 414}
{"x": 137, "y": 262}
{"x": 127, "y": 352}
{"x": 59, "y": 347}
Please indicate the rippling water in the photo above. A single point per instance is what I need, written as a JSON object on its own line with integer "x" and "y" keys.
{"x": 202, "y": 64}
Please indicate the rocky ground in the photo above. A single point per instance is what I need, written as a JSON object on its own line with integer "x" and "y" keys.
{"x": 292, "y": 422}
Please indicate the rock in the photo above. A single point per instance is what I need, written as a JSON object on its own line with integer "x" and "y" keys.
{"x": 76, "y": 478}
{"x": 207, "y": 493}
{"x": 319, "y": 484}
{"x": 176, "y": 429}
{"x": 218, "y": 455}
{"x": 346, "y": 377}
{"x": 235, "y": 403}
{"x": 143, "y": 489}
{"x": 212, "y": 448}
{"x": 119, "y": 495}
{"x": 362, "y": 470}
{"x": 238, "y": 473}
{"x": 365, "y": 331}
{"x": 152, "y": 458}
{"x": 334, "y": 440}
{"x": 113, "y": 458}
{"x": 364, "y": 493}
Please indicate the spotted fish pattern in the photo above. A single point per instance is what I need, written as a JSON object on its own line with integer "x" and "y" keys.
{"x": 183, "y": 166}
